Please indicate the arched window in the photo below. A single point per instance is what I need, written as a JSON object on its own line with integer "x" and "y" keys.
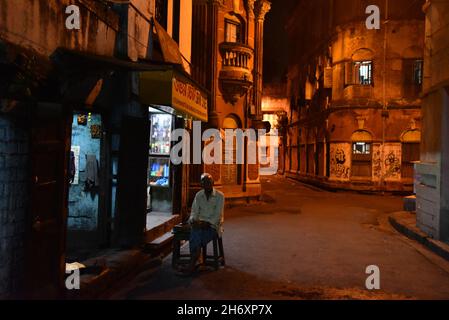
{"x": 231, "y": 122}
{"x": 361, "y": 154}
{"x": 360, "y": 69}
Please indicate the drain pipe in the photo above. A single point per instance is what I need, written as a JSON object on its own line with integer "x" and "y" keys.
{"x": 384, "y": 103}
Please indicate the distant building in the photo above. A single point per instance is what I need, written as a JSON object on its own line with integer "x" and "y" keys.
{"x": 355, "y": 111}
{"x": 275, "y": 108}
{"x": 432, "y": 172}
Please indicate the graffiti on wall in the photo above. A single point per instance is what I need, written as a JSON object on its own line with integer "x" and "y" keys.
{"x": 377, "y": 162}
{"x": 340, "y": 161}
{"x": 388, "y": 166}
{"x": 392, "y": 166}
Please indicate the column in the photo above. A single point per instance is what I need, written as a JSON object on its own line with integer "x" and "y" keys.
{"x": 261, "y": 9}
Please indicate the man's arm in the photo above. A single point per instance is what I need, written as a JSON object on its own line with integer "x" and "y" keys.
{"x": 218, "y": 214}
{"x": 194, "y": 214}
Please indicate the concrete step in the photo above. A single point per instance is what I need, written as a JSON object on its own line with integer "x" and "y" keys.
{"x": 161, "y": 245}
{"x": 164, "y": 239}
{"x": 166, "y": 226}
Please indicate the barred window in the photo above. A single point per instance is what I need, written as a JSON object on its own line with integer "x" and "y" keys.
{"x": 363, "y": 72}
{"x": 361, "y": 159}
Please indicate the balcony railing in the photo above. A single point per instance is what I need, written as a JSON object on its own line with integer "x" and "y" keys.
{"x": 236, "y": 55}
{"x": 235, "y": 74}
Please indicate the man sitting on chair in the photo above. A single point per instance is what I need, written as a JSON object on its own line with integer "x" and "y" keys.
{"x": 206, "y": 218}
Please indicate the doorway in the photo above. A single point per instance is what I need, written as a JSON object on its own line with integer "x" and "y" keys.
{"x": 84, "y": 186}
{"x": 160, "y": 173}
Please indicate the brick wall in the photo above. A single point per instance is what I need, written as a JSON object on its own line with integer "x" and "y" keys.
{"x": 13, "y": 202}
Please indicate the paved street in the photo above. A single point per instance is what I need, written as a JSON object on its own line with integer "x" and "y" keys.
{"x": 304, "y": 243}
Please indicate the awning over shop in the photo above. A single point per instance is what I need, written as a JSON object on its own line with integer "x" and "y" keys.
{"x": 171, "y": 88}
{"x": 169, "y": 47}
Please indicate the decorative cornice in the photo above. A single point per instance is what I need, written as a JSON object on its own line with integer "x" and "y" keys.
{"x": 219, "y": 2}
{"x": 250, "y": 7}
{"x": 262, "y": 8}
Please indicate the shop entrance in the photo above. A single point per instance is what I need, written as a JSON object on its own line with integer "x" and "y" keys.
{"x": 160, "y": 172}
{"x": 84, "y": 186}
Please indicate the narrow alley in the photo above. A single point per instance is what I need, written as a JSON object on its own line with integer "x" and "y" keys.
{"x": 304, "y": 243}
{"x": 304, "y": 143}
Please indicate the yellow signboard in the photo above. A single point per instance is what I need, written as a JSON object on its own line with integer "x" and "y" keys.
{"x": 189, "y": 99}
{"x": 169, "y": 88}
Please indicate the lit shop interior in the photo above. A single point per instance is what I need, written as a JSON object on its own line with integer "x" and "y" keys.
{"x": 161, "y": 172}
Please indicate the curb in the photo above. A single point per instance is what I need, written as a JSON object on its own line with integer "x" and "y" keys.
{"x": 435, "y": 246}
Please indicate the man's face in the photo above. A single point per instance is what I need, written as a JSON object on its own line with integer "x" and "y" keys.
{"x": 207, "y": 185}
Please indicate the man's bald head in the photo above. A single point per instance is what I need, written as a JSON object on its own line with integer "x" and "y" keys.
{"x": 207, "y": 182}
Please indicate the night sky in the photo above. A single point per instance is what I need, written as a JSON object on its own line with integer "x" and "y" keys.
{"x": 275, "y": 40}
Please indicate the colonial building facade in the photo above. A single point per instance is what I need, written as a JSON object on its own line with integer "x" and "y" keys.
{"x": 354, "y": 119}
{"x": 227, "y": 58}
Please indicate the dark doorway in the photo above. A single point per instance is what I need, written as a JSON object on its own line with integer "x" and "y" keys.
{"x": 131, "y": 192}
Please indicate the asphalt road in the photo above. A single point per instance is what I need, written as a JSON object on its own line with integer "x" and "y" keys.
{"x": 305, "y": 243}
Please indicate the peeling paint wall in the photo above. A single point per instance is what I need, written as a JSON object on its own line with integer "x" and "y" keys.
{"x": 355, "y": 43}
{"x": 40, "y": 25}
{"x": 83, "y": 201}
{"x": 139, "y": 14}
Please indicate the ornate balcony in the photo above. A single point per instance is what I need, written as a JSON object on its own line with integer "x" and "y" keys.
{"x": 235, "y": 75}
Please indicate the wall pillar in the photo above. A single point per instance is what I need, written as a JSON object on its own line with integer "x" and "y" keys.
{"x": 262, "y": 8}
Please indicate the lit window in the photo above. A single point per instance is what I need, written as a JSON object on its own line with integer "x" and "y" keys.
{"x": 361, "y": 148}
{"x": 233, "y": 31}
{"x": 363, "y": 72}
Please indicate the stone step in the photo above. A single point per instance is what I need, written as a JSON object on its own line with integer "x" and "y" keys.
{"x": 161, "y": 245}
{"x": 166, "y": 226}
{"x": 164, "y": 239}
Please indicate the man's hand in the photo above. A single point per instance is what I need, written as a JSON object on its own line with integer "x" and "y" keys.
{"x": 192, "y": 220}
{"x": 200, "y": 224}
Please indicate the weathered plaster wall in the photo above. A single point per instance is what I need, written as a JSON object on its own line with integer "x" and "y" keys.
{"x": 83, "y": 202}
{"x": 139, "y": 15}
{"x": 405, "y": 40}
{"x": 40, "y": 25}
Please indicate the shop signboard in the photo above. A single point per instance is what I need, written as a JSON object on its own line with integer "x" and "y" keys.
{"x": 169, "y": 89}
{"x": 189, "y": 99}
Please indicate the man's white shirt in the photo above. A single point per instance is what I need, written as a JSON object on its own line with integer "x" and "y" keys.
{"x": 211, "y": 210}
